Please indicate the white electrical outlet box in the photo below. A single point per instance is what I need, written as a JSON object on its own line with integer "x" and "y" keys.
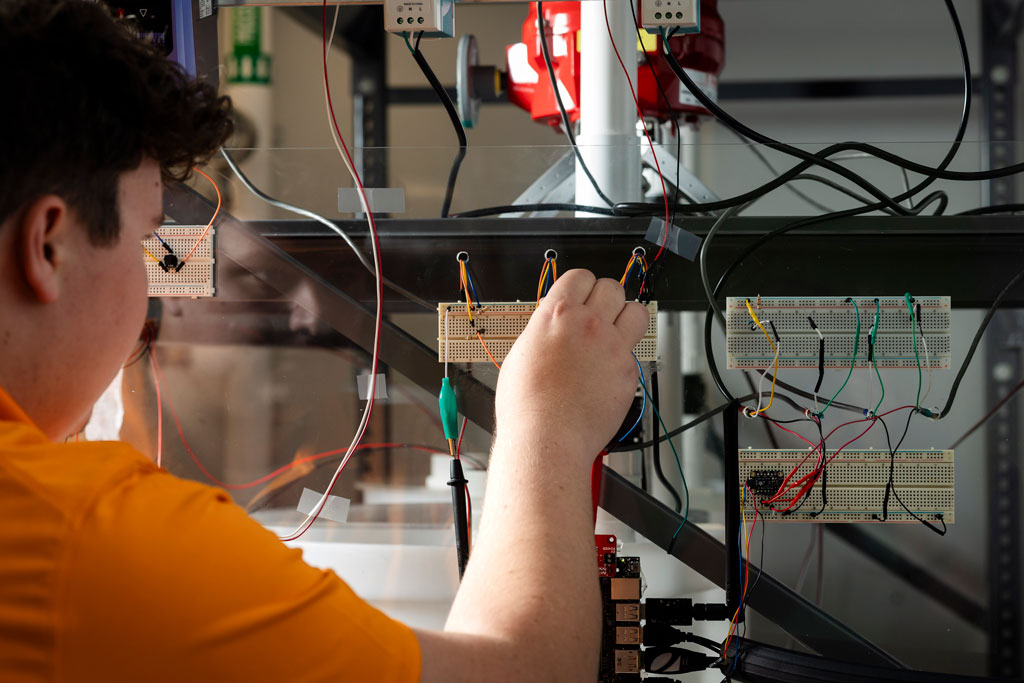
{"x": 898, "y": 342}
{"x": 164, "y": 252}
{"x": 499, "y": 325}
{"x": 683, "y": 15}
{"x": 924, "y": 481}
{"x": 434, "y": 18}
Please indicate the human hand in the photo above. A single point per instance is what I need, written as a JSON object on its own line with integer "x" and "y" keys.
{"x": 571, "y": 375}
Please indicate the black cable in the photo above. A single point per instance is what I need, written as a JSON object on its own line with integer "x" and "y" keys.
{"x": 566, "y": 123}
{"x": 939, "y": 172}
{"x": 635, "y": 208}
{"x": 985, "y": 418}
{"x": 890, "y": 486}
{"x": 677, "y": 502}
{"x": 764, "y": 160}
{"x": 751, "y": 134}
{"x": 453, "y": 114}
{"x": 974, "y": 346}
{"x": 672, "y": 116}
{"x": 939, "y": 197}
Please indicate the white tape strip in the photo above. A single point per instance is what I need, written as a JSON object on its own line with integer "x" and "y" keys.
{"x": 335, "y": 509}
{"x": 380, "y": 389}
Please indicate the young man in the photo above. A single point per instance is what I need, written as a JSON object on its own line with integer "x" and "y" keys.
{"x": 113, "y": 570}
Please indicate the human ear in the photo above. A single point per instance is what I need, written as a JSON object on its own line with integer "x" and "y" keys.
{"x": 41, "y": 225}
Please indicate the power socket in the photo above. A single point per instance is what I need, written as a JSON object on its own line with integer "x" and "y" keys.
{"x": 435, "y": 18}
{"x": 683, "y": 15}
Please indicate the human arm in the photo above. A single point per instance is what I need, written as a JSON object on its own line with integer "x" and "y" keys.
{"x": 528, "y": 608}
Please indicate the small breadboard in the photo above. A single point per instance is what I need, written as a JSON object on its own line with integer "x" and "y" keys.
{"x": 499, "y": 325}
{"x": 856, "y": 483}
{"x": 195, "y": 278}
{"x": 836, "y": 319}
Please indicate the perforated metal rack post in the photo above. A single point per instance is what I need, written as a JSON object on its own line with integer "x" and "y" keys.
{"x": 1003, "y": 475}
{"x": 1000, "y": 35}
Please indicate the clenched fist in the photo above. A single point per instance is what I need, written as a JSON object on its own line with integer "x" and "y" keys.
{"x": 570, "y": 377}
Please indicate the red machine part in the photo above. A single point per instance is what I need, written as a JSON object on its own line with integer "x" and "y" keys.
{"x": 702, "y": 54}
{"x": 607, "y": 547}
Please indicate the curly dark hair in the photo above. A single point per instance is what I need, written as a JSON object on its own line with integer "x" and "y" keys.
{"x": 85, "y": 101}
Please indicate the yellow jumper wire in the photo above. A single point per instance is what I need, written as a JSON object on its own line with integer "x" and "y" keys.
{"x": 775, "y": 371}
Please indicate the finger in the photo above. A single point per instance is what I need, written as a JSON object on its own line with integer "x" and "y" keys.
{"x": 573, "y": 287}
{"x": 607, "y": 299}
{"x": 633, "y": 322}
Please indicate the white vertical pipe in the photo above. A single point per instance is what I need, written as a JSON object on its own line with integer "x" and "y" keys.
{"x": 670, "y": 398}
{"x": 608, "y": 139}
{"x": 696, "y": 464}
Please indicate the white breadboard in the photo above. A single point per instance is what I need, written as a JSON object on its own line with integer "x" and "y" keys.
{"x": 195, "y": 279}
{"x": 855, "y": 490}
{"x": 837, "y": 320}
{"x": 500, "y": 324}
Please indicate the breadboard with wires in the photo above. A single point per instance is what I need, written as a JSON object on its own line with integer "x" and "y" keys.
{"x": 836, "y": 319}
{"x": 855, "y": 487}
{"x": 195, "y": 279}
{"x": 500, "y": 324}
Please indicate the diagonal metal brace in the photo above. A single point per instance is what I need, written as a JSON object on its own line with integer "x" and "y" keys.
{"x": 297, "y": 283}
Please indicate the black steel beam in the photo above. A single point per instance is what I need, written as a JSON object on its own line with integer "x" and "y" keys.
{"x": 842, "y": 88}
{"x": 772, "y": 90}
{"x": 706, "y": 555}
{"x": 912, "y": 574}
{"x": 419, "y": 255}
{"x": 760, "y": 663}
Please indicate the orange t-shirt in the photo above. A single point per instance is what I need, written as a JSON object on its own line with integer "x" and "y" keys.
{"x": 114, "y": 570}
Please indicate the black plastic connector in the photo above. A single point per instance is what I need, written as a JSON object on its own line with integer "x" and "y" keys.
{"x": 458, "y": 483}
{"x": 676, "y": 660}
{"x": 668, "y": 611}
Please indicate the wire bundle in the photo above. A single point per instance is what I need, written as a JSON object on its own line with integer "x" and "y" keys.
{"x": 453, "y": 115}
{"x": 468, "y": 288}
{"x": 548, "y": 274}
{"x": 637, "y": 263}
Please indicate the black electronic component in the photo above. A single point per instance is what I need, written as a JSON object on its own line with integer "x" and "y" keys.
{"x": 628, "y": 567}
{"x": 676, "y": 660}
{"x": 663, "y": 635}
{"x": 765, "y": 483}
{"x": 674, "y": 611}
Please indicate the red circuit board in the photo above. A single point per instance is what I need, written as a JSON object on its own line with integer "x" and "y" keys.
{"x": 607, "y": 547}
